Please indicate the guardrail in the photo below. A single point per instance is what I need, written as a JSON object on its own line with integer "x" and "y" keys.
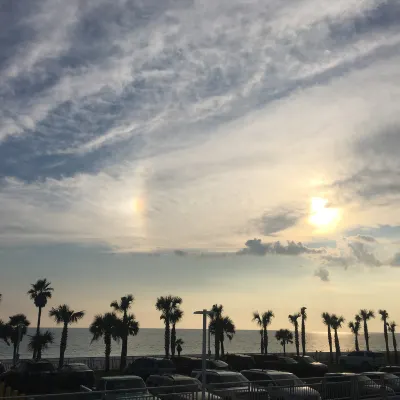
{"x": 353, "y": 388}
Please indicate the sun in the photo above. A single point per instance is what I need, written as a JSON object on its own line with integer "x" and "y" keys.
{"x": 322, "y": 216}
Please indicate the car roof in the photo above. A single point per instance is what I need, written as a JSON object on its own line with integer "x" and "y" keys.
{"x": 331, "y": 374}
{"x": 238, "y": 355}
{"x": 76, "y": 364}
{"x": 374, "y": 373}
{"x": 151, "y": 358}
{"x": 268, "y": 371}
{"x": 218, "y": 372}
{"x": 121, "y": 378}
{"x": 178, "y": 376}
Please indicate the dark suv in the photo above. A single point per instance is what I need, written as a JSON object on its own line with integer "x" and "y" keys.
{"x": 275, "y": 362}
{"x": 185, "y": 365}
{"x": 146, "y": 366}
{"x": 239, "y": 362}
{"x": 31, "y": 377}
{"x": 168, "y": 385}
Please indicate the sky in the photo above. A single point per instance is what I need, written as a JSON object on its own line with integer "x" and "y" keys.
{"x": 238, "y": 152}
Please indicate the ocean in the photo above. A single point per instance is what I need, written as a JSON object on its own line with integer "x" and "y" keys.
{"x": 151, "y": 342}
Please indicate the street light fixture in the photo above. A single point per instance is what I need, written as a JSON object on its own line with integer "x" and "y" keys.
{"x": 203, "y": 353}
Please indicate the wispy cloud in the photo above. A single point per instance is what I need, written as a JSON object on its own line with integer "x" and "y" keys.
{"x": 173, "y": 124}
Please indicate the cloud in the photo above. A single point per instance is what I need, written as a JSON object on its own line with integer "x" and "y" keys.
{"x": 395, "y": 261}
{"x": 337, "y": 260}
{"x": 257, "y": 247}
{"x": 271, "y": 223}
{"x": 366, "y": 238}
{"x": 322, "y": 273}
{"x": 363, "y": 255}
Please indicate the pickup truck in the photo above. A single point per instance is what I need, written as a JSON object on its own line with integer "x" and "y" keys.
{"x": 362, "y": 360}
{"x": 119, "y": 387}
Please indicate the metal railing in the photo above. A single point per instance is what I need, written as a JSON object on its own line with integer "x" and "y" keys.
{"x": 353, "y": 388}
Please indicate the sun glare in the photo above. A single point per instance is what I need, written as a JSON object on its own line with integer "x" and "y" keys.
{"x": 137, "y": 205}
{"x": 321, "y": 215}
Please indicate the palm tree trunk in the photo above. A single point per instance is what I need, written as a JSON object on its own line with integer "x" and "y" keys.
{"x": 356, "y": 345}
{"x": 366, "y": 336}
{"x": 284, "y": 349}
{"x": 39, "y": 353}
{"x": 266, "y": 341}
{"x": 167, "y": 338}
{"x": 262, "y": 342}
{"x": 173, "y": 339}
{"x": 303, "y": 335}
{"x": 216, "y": 341}
{"x": 63, "y": 345}
{"x": 124, "y": 346}
{"x": 395, "y": 348}
{"x": 37, "y": 330}
{"x": 337, "y": 346}
{"x": 296, "y": 338}
{"x": 385, "y": 333}
{"x": 107, "y": 342}
{"x": 14, "y": 352}
{"x": 222, "y": 344}
{"x": 330, "y": 344}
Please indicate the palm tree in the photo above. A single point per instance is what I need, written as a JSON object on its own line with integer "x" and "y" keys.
{"x": 228, "y": 330}
{"x": 284, "y": 337}
{"x": 257, "y": 318}
{"x": 64, "y": 315}
{"x": 220, "y": 326}
{"x": 178, "y": 344}
{"x": 105, "y": 326}
{"x": 366, "y": 315}
{"x": 384, "y": 317}
{"x": 175, "y": 318}
{"x": 392, "y": 329}
{"x": 18, "y": 325}
{"x": 303, "y": 328}
{"x": 4, "y": 332}
{"x": 40, "y": 342}
{"x": 167, "y": 305}
{"x": 128, "y": 324}
{"x": 327, "y": 320}
{"x": 293, "y": 320}
{"x": 264, "y": 320}
{"x": 40, "y": 292}
{"x": 336, "y": 323}
{"x": 355, "y": 329}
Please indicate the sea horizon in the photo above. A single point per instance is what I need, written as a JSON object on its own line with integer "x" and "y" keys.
{"x": 150, "y": 341}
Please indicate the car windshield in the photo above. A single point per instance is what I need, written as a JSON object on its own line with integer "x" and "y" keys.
{"x": 363, "y": 378}
{"x": 78, "y": 367}
{"x": 190, "y": 384}
{"x": 307, "y": 359}
{"x": 389, "y": 377}
{"x": 165, "y": 364}
{"x": 234, "y": 380}
{"x": 125, "y": 384}
{"x": 287, "y": 380}
{"x": 289, "y": 361}
{"x": 41, "y": 367}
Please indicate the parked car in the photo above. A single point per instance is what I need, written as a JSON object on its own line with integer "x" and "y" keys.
{"x": 362, "y": 360}
{"x": 238, "y": 362}
{"x": 275, "y": 362}
{"x": 309, "y": 368}
{"x": 72, "y": 376}
{"x": 344, "y": 385}
{"x": 2, "y": 368}
{"x": 394, "y": 369}
{"x": 146, "y": 366}
{"x": 31, "y": 377}
{"x": 185, "y": 365}
{"x": 384, "y": 378}
{"x": 230, "y": 385}
{"x": 126, "y": 387}
{"x": 281, "y": 384}
{"x": 165, "y": 386}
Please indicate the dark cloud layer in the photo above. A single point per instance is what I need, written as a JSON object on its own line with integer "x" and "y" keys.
{"x": 257, "y": 247}
{"x": 322, "y": 273}
{"x": 271, "y": 223}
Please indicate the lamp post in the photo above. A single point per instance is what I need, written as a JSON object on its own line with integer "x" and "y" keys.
{"x": 204, "y": 312}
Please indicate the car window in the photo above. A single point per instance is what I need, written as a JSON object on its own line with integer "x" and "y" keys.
{"x": 287, "y": 380}
{"x": 289, "y": 361}
{"x": 125, "y": 384}
{"x": 77, "y": 367}
{"x": 165, "y": 364}
{"x": 144, "y": 363}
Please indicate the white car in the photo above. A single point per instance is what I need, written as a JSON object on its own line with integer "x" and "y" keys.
{"x": 365, "y": 360}
{"x": 281, "y": 385}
